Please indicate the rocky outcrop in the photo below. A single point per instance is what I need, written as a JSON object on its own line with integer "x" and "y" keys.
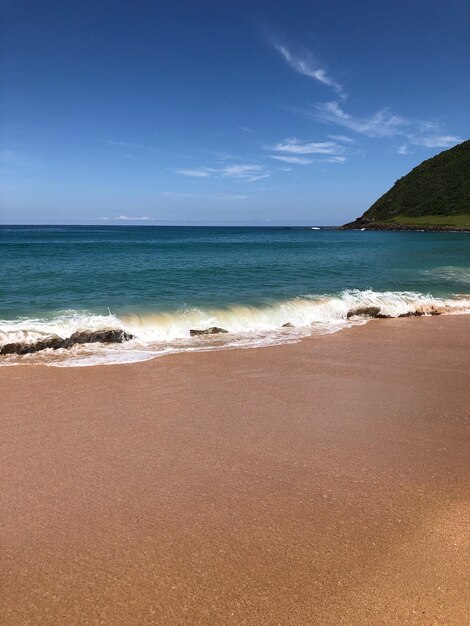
{"x": 429, "y": 309}
{"x": 288, "y": 325}
{"x": 432, "y": 309}
{"x": 100, "y": 336}
{"x": 365, "y": 311}
{"x": 374, "y": 311}
{"x": 20, "y": 347}
{"x": 368, "y": 311}
{"x": 362, "y": 223}
{"x": 213, "y": 330}
{"x": 106, "y": 335}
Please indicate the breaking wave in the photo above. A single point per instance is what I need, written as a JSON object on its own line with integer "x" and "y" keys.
{"x": 154, "y": 334}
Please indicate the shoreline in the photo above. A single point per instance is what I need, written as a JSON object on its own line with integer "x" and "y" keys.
{"x": 94, "y": 339}
{"x": 323, "y": 481}
{"x": 360, "y": 224}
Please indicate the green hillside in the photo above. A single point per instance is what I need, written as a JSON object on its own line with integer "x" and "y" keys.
{"x": 434, "y": 194}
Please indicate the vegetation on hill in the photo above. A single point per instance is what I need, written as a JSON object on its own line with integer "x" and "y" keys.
{"x": 434, "y": 194}
{"x": 459, "y": 221}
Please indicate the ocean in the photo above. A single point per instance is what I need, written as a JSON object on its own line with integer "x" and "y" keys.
{"x": 158, "y": 283}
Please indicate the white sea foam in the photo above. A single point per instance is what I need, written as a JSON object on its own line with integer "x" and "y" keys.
{"x": 29, "y": 330}
{"x": 157, "y": 334}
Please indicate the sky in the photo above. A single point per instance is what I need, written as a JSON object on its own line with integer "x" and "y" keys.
{"x": 217, "y": 112}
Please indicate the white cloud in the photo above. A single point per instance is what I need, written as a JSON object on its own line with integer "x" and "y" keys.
{"x": 403, "y": 149}
{"x": 297, "y": 146}
{"x": 342, "y": 138}
{"x": 386, "y": 123}
{"x": 241, "y": 171}
{"x": 122, "y": 218}
{"x": 306, "y": 66}
{"x": 291, "y": 159}
{"x": 336, "y": 159}
{"x": 197, "y": 172}
{"x": 293, "y": 147}
{"x": 126, "y": 218}
{"x": 436, "y": 141}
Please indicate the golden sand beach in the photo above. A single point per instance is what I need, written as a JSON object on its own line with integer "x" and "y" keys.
{"x": 325, "y": 482}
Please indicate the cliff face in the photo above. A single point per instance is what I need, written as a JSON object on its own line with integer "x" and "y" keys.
{"x": 435, "y": 194}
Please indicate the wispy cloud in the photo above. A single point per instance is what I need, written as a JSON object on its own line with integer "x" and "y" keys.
{"x": 436, "y": 141}
{"x": 336, "y": 159}
{"x": 293, "y": 150}
{"x": 297, "y": 146}
{"x": 386, "y": 123}
{"x": 304, "y": 64}
{"x": 342, "y": 138}
{"x": 291, "y": 159}
{"x": 195, "y": 172}
{"x": 249, "y": 172}
{"x": 403, "y": 149}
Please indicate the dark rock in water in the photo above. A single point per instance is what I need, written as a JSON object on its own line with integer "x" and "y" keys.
{"x": 288, "y": 325}
{"x": 427, "y": 309}
{"x": 365, "y": 311}
{"x": 13, "y": 348}
{"x": 432, "y": 309}
{"x": 374, "y": 311}
{"x": 55, "y": 342}
{"x": 98, "y": 336}
{"x": 19, "y": 347}
{"x": 213, "y": 330}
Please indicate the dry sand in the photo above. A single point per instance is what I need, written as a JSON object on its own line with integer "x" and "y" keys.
{"x": 325, "y": 482}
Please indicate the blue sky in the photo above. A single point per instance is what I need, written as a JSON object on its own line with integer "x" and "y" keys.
{"x": 214, "y": 112}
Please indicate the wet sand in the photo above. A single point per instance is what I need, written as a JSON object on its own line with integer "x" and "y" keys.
{"x": 325, "y": 482}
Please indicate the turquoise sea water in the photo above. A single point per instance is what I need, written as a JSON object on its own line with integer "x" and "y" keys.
{"x": 158, "y": 282}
